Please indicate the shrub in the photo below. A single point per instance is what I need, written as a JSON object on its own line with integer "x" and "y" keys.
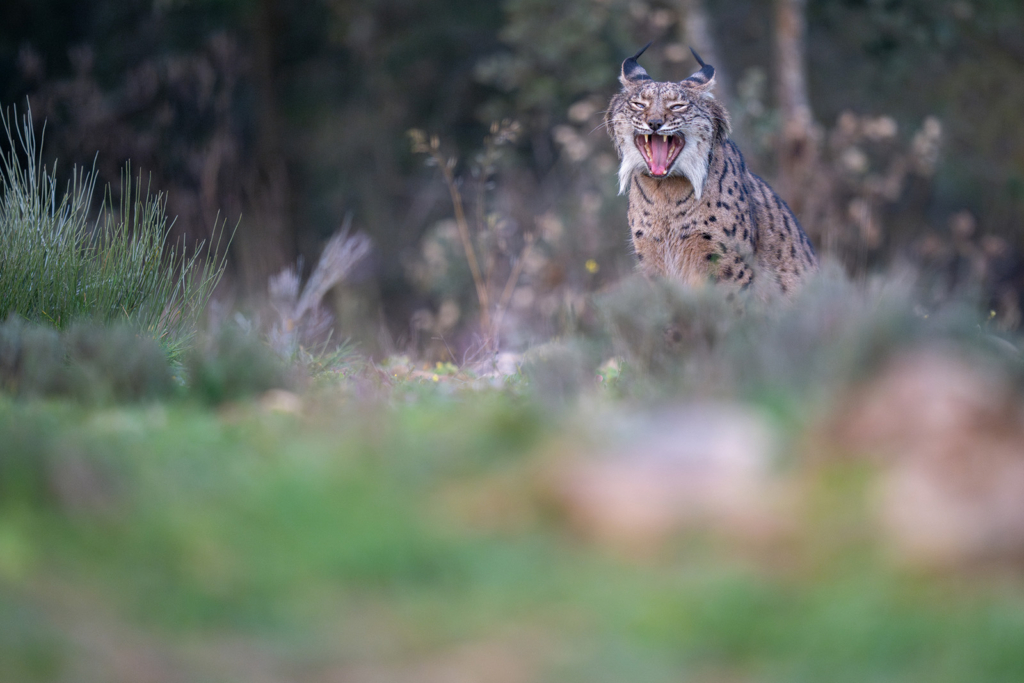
{"x": 232, "y": 365}
{"x": 99, "y": 364}
{"x": 89, "y": 362}
{"x": 682, "y": 341}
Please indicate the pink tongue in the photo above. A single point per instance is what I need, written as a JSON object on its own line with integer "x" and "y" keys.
{"x": 659, "y": 154}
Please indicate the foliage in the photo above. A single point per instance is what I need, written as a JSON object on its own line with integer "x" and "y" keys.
{"x": 231, "y": 365}
{"x": 294, "y": 114}
{"x": 301, "y": 316}
{"x": 103, "y": 365}
{"x": 484, "y": 279}
{"x": 205, "y": 513}
{"x": 88, "y": 362}
{"x": 426, "y": 520}
{"x": 832, "y": 332}
{"x": 421, "y": 506}
{"x": 59, "y": 265}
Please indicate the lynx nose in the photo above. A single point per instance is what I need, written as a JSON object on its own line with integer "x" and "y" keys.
{"x": 655, "y": 124}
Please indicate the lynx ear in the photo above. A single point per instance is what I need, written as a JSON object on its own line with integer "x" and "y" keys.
{"x": 632, "y": 72}
{"x": 703, "y": 79}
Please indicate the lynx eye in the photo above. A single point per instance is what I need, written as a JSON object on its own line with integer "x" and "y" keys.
{"x": 637, "y": 104}
{"x": 679, "y": 106}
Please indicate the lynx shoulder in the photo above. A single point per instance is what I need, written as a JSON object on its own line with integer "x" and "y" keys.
{"x": 696, "y": 213}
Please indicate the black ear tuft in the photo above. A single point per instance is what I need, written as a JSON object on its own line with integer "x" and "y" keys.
{"x": 641, "y": 51}
{"x": 632, "y": 72}
{"x": 705, "y": 76}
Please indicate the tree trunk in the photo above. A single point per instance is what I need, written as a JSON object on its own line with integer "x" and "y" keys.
{"x": 265, "y": 239}
{"x": 698, "y": 34}
{"x": 799, "y": 153}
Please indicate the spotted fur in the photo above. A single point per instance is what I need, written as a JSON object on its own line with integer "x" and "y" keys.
{"x": 706, "y": 217}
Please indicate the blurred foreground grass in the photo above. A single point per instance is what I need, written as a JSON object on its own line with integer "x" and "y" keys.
{"x": 395, "y": 523}
{"x": 174, "y": 543}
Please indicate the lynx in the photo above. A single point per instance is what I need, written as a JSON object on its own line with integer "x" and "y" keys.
{"x": 696, "y": 213}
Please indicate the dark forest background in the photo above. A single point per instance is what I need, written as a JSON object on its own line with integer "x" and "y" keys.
{"x": 900, "y": 141}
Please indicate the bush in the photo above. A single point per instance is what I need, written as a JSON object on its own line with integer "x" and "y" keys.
{"x": 88, "y": 362}
{"x": 233, "y": 365}
{"x": 681, "y": 341}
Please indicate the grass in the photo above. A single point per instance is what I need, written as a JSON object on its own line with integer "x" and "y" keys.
{"x": 166, "y": 517}
{"x": 335, "y": 539}
{"x": 62, "y": 262}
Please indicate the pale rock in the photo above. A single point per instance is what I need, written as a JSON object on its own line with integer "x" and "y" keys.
{"x": 949, "y": 436}
{"x": 706, "y": 465}
{"x": 281, "y": 401}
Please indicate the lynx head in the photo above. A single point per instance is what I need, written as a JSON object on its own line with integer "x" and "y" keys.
{"x": 663, "y": 128}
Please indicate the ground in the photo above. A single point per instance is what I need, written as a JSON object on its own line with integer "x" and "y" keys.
{"x": 441, "y": 527}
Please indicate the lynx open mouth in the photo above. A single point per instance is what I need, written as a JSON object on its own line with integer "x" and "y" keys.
{"x": 659, "y": 151}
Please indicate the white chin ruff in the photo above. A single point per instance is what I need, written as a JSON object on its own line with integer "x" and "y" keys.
{"x": 632, "y": 161}
{"x": 692, "y": 163}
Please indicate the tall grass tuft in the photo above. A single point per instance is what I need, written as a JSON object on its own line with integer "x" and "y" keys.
{"x": 61, "y": 262}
